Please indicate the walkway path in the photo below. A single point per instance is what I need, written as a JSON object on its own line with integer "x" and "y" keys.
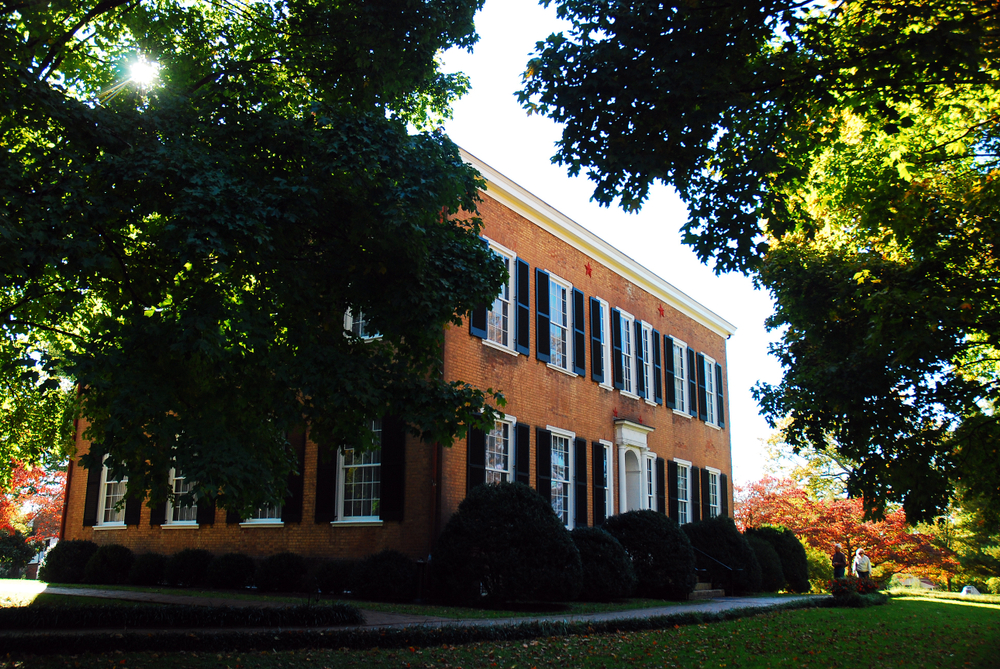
{"x": 26, "y": 590}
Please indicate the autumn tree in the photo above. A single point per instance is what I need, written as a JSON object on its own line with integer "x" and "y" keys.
{"x": 222, "y": 220}
{"x": 845, "y": 155}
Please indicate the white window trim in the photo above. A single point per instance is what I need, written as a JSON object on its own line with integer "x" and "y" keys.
{"x": 354, "y": 520}
{"x": 511, "y": 421}
{"x": 649, "y": 474}
{"x": 570, "y": 334}
{"x": 629, "y": 370}
{"x": 712, "y": 401}
{"x": 684, "y": 381}
{"x": 717, "y": 507}
{"x": 502, "y": 250}
{"x": 687, "y": 499}
{"x": 102, "y": 500}
{"x": 349, "y": 326}
{"x": 168, "y": 522}
{"x": 606, "y": 345}
{"x": 609, "y": 490}
{"x": 570, "y": 471}
{"x": 647, "y": 362}
{"x": 262, "y": 522}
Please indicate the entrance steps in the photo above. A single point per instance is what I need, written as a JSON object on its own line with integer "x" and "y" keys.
{"x": 705, "y": 591}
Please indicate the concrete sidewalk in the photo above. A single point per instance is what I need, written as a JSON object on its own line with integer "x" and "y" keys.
{"x": 23, "y": 591}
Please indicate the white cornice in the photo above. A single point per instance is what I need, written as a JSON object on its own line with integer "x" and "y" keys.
{"x": 516, "y": 198}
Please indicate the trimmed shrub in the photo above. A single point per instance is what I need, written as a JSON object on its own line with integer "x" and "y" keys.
{"x": 333, "y": 577}
{"x": 724, "y": 553}
{"x": 66, "y": 561}
{"x": 772, "y": 579}
{"x": 820, "y": 568}
{"x": 607, "y": 569}
{"x": 661, "y": 553}
{"x": 231, "y": 571}
{"x": 388, "y": 576}
{"x": 993, "y": 585}
{"x": 282, "y": 572}
{"x": 187, "y": 568}
{"x": 794, "y": 563}
{"x": 505, "y": 543}
{"x": 147, "y": 569}
{"x": 109, "y": 565}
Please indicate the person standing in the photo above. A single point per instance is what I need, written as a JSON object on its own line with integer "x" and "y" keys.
{"x": 839, "y": 561}
{"x": 862, "y": 565}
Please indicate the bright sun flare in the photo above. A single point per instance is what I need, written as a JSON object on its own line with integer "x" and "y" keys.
{"x": 143, "y": 72}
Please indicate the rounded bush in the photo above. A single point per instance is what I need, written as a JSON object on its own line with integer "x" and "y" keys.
{"x": 66, "y": 561}
{"x": 333, "y": 577}
{"x": 505, "y": 543}
{"x": 147, "y": 569}
{"x": 109, "y": 565}
{"x": 772, "y": 579}
{"x": 607, "y": 569}
{"x": 794, "y": 563}
{"x": 283, "y": 572}
{"x": 993, "y": 585}
{"x": 724, "y": 553}
{"x": 231, "y": 572}
{"x": 388, "y": 576}
{"x": 187, "y": 568}
{"x": 661, "y": 553}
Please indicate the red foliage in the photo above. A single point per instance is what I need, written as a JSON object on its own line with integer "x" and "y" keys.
{"x": 891, "y": 544}
{"x": 35, "y": 499}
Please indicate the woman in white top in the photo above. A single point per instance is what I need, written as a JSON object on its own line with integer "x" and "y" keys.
{"x": 862, "y": 565}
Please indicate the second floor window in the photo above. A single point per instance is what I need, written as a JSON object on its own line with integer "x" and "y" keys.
{"x": 358, "y": 324}
{"x": 499, "y": 316}
{"x": 559, "y": 336}
{"x": 628, "y": 354}
{"x": 680, "y": 377}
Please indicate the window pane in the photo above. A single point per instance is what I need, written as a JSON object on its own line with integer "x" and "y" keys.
{"x": 560, "y": 477}
{"x": 362, "y": 479}
{"x": 498, "y": 453}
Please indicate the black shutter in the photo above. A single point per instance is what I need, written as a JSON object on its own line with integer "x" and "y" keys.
{"x": 158, "y": 514}
{"x": 93, "y": 491}
{"x": 476, "y": 456}
{"x": 706, "y": 500}
{"x": 522, "y": 454}
{"x": 694, "y": 483}
{"x": 291, "y": 507}
{"x": 542, "y": 315}
{"x": 232, "y": 518}
{"x": 477, "y": 322}
{"x": 661, "y": 493}
{"x": 133, "y": 508}
{"x": 723, "y": 496}
{"x": 657, "y": 369}
{"x": 392, "y": 469}
{"x": 326, "y": 483}
{"x": 702, "y": 408}
{"x": 596, "y": 342}
{"x": 672, "y": 488}
{"x": 600, "y": 490}
{"x": 718, "y": 395}
{"x": 543, "y": 463}
{"x": 617, "y": 362}
{"x": 205, "y": 513}
{"x": 692, "y": 385}
{"x": 668, "y": 371}
{"x": 522, "y": 315}
{"x": 579, "y": 335}
{"x": 580, "y": 488}
{"x": 640, "y": 366}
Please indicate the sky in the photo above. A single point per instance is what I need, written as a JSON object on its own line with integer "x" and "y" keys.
{"x": 490, "y": 124}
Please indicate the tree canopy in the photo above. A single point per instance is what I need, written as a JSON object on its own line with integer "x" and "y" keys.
{"x": 846, "y": 156}
{"x": 185, "y": 252}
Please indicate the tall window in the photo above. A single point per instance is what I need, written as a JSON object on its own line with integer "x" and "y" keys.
{"x": 650, "y": 485}
{"x": 498, "y": 453}
{"x": 608, "y": 478}
{"x": 683, "y": 476}
{"x": 628, "y": 353}
{"x": 710, "y": 405}
{"x": 112, "y": 493}
{"x": 358, "y": 324}
{"x": 605, "y": 347}
{"x": 560, "y": 477}
{"x": 713, "y": 494}
{"x": 680, "y": 376}
{"x": 180, "y": 514}
{"x": 361, "y": 476}
{"x": 559, "y": 337}
{"x": 647, "y": 361}
{"x": 498, "y": 318}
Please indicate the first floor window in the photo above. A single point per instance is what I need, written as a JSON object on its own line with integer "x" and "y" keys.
{"x": 608, "y": 478}
{"x": 683, "y": 476}
{"x": 650, "y": 485}
{"x": 358, "y": 324}
{"x": 361, "y": 474}
{"x": 112, "y": 493}
{"x": 680, "y": 376}
{"x": 271, "y": 513}
{"x": 498, "y": 453}
{"x": 560, "y": 477}
{"x": 180, "y": 486}
{"x": 713, "y": 494}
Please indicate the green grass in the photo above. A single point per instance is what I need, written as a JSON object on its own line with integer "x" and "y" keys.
{"x": 906, "y": 633}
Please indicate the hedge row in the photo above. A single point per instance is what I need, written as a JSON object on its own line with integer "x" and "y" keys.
{"x": 173, "y": 617}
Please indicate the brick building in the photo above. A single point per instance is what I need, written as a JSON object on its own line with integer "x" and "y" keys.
{"x": 616, "y": 400}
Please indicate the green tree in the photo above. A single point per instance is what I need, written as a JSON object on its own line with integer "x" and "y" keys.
{"x": 185, "y": 251}
{"x": 846, "y": 155}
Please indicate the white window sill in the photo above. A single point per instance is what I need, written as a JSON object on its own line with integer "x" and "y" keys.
{"x": 606, "y": 386}
{"x": 191, "y": 525}
{"x": 626, "y": 393}
{"x": 683, "y": 413}
{"x": 560, "y": 369}
{"x": 651, "y": 403}
{"x": 500, "y": 347}
{"x": 268, "y": 523}
{"x": 111, "y": 526}
{"x": 364, "y": 522}
{"x": 713, "y": 426}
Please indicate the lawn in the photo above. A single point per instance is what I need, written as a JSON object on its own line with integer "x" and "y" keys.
{"x": 908, "y": 632}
